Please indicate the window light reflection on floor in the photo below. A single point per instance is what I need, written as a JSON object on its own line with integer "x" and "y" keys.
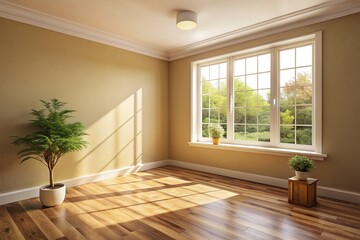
{"x": 155, "y": 196}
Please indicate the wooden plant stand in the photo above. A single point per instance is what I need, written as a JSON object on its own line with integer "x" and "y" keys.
{"x": 302, "y": 192}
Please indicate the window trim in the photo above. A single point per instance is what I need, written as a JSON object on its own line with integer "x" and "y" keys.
{"x": 259, "y": 149}
{"x": 316, "y": 39}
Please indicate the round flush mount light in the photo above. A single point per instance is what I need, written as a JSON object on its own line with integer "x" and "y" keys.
{"x": 186, "y": 20}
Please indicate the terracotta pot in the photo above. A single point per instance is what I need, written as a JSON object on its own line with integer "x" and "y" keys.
{"x": 52, "y": 196}
{"x": 301, "y": 175}
{"x": 216, "y": 141}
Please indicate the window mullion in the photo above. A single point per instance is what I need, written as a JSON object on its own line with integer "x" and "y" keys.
{"x": 275, "y": 109}
{"x": 199, "y": 108}
{"x": 317, "y": 89}
{"x": 230, "y": 104}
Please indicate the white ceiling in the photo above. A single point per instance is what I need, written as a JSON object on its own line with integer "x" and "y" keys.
{"x": 148, "y": 26}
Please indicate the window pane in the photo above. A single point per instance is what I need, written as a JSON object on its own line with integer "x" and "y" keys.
{"x": 225, "y": 130}
{"x": 223, "y": 86}
{"x": 304, "y": 95}
{"x": 287, "y": 78}
{"x": 251, "y": 133}
{"x": 239, "y": 115}
{"x": 239, "y": 132}
{"x": 239, "y": 83}
{"x": 214, "y": 71}
{"x": 303, "y": 115}
{"x": 264, "y": 133}
{"x": 264, "y": 80}
{"x": 251, "y": 82}
{"x": 287, "y": 114}
{"x": 304, "y": 56}
{"x": 214, "y": 101}
{"x": 205, "y": 132}
{"x": 223, "y": 70}
{"x": 205, "y": 115}
{"x": 264, "y": 115}
{"x": 264, "y": 97}
{"x": 251, "y": 115}
{"x": 205, "y": 73}
{"x": 239, "y": 67}
{"x": 287, "y": 96}
{"x": 205, "y": 101}
{"x": 264, "y": 63}
{"x": 251, "y": 65}
{"x": 304, "y": 135}
{"x": 251, "y": 98}
{"x": 287, "y": 134}
{"x": 304, "y": 76}
{"x": 214, "y": 86}
{"x": 239, "y": 99}
{"x": 205, "y": 87}
{"x": 287, "y": 58}
{"x": 214, "y": 115}
{"x": 223, "y": 108}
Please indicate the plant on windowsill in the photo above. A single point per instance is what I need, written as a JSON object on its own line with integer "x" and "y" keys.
{"x": 52, "y": 137}
{"x": 302, "y": 166}
{"x": 216, "y": 132}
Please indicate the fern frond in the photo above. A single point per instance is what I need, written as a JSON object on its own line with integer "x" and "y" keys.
{"x": 53, "y": 135}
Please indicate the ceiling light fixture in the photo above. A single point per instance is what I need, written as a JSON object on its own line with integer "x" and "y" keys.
{"x": 186, "y": 20}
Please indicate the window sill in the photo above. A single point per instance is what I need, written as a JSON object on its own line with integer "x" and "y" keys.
{"x": 262, "y": 150}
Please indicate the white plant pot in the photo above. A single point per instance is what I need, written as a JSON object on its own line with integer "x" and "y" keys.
{"x": 52, "y": 196}
{"x": 301, "y": 175}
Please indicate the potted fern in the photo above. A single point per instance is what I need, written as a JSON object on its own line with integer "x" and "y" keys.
{"x": 52, "y": 137}
{"x": 216, "y": 132}
{"x": 302, "y": 166}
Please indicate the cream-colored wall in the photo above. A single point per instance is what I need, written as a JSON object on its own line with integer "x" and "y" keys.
{"x": 121, "y": 97}
{"x": 341, "y": 110}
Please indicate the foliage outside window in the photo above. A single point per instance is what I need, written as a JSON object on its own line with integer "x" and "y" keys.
{"x": 263, "y": 98}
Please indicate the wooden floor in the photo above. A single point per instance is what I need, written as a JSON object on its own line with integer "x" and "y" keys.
{"x": 175, "y": 203}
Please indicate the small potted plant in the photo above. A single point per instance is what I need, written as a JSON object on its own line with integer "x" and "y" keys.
{"x": 302, "y": 166}
{"x": 52, "y": 137}
{"x": 216, "y": 132}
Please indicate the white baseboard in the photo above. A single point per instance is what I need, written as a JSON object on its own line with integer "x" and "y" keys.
{"x": 34, "y": 191}
{"x": 322, "y": 191}
{"x": 339, "y": 194}
{"x": 231, "y": 173}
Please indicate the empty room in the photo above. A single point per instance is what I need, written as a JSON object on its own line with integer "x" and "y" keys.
{"x": 207, "y": 119}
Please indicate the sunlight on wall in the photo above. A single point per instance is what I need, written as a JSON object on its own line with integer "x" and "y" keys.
{"x": 115, "y": 140}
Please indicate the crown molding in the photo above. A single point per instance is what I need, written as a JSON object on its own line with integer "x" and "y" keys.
{"x": 39, "y": 19}
{"x": 331, "y": 10}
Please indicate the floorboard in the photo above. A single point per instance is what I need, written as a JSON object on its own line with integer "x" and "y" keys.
{"x": 176, "y": 203}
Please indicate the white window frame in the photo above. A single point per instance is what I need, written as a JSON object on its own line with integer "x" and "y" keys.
{"x": 274, "y": 147}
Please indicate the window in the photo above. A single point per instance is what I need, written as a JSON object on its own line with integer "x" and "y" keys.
{"x": 214, "y": 93}
{"x": 267, "y": 97}
{"x": 296, "y": 95}
{"x": 251, "y": 98}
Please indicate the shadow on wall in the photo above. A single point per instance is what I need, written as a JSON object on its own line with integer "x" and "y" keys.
{"x": 115, "y": 140}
